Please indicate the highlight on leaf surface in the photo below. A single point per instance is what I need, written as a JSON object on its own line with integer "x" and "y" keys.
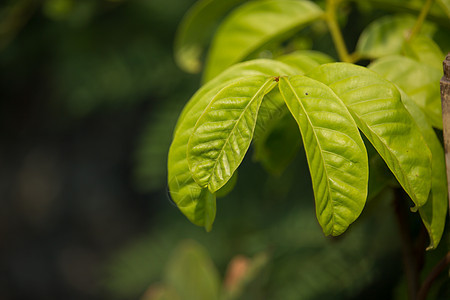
{"x": 253, "y": 25}
{"x": 195, "y": 202}
{"x": 336, "y": 154}
{"x": 376, "y": 106}
{"x": 224, "y": 131}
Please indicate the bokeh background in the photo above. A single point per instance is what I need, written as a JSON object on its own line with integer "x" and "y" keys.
{"x": 89, "y": 97}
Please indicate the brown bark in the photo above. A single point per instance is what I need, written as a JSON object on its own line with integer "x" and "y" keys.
{"x": 445, "y": 99}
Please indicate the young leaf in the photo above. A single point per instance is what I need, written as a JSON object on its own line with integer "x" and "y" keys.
{"x": 335, "y": 151}
{"x": 196, "y": 29}
{"x": 195, "y": 203}
{"x": 425, "y": 50}
{"x": 434, "y": 212}
{"x": 224, "y": 131}
{"x": 376, "y": 106}
{"x": 253, "y": 25}
{"x": 386, "y": 36}
{"x": 419, "y": 81}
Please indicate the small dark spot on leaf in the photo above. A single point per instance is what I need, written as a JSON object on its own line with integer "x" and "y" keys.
{"x": 276, "y": 78}
{"x": 306, "y": 94}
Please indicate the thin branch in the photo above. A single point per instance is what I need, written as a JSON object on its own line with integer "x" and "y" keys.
{"x": 440, "y": 266}
{"x": 419, "y": 22}
{"x": 336, "y": 34}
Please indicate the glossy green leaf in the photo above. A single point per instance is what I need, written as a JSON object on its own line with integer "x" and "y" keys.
{"x": 424, "y": 50}
{"x": 253, "y": 25}
{"x": 198, "y": 204}
{"x": 434, "y": 212}
{"x": 250, "y": 68}
{"x": 192, "y": 274}
{"x": 224, "y": 131}
{"x": 376, "y": 106}
{"x": 305, "y": 60}
{"x": 196, "y": 29}
{"x": 279, "y": 145}
{"x": 273, "y": 108}
{"x": 335, "y": 151}
{"x": 228, "y": 187}
{"x": 385, "y": 36}
{"x": 419, "y": 81}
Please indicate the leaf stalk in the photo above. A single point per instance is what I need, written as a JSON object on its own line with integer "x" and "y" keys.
{"x": 336, "y": 34}
{"x": 420, "y": 20}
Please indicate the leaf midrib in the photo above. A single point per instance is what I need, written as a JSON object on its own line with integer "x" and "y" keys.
{"x": 234, "y": 127}
{"x": 321, "y": 154}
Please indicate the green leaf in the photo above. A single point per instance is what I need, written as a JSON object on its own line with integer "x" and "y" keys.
{"x": 196, "y": 29}
{"x": 376, "y": 106}
{"x": 228, "y": 187}
{"x": 434, "y": 212}
{"x": 385, "y": 36}
{"x": 195, "y": 203}
{"x": 424, "y": 50}
{"x": 250, "y": 68}
{"x": 419, "y": 81}
{"x": 279, "y": 145}
{"x": 305, "y": 60}
{"x": 192, "y": 274}
{"x": 335, "y": 151}
{"x": 224, "y": 131}
{"x": 253, "y": 25}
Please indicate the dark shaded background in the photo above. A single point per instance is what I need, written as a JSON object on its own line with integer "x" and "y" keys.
{"x": 89, "y": 96}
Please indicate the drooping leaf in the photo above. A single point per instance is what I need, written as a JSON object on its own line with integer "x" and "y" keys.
{"x": 192, "y": 274}
{"x": 385, "y": 36}
{"x": 425, "y": 50}
{"x": 196, "y": 29}
{"x": 434, "y": 212}
{"x": 335, "y": 151}
{"x": 250, "y": 68}
{"x": 273, "y": 108}
{"x": 224, "y": 131}
{"x": 419, "y": 81}
{"x": 305, "y": 60}
{"x": 228, "y": 187}
{"x": 191, "y": 199}
{"x": 376, "y": 106}
{"x": 278, "y": 146}
{"x": 251, "y": 26}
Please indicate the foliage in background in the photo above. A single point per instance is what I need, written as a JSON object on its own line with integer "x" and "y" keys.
{"x": 88, "y": 58}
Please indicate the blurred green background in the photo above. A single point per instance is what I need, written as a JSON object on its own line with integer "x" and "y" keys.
{"x": 89, "y": 97}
